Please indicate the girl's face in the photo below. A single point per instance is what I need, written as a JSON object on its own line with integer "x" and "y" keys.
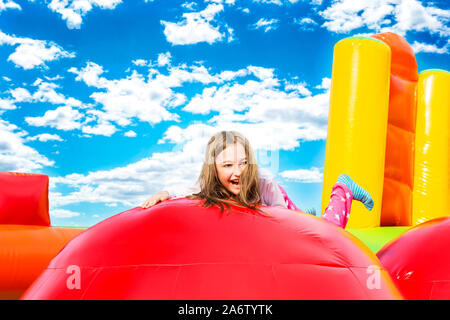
{"x": 230, "y": 163}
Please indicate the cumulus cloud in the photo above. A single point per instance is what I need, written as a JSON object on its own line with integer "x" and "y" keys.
{"x": 63, "y": 213}
{"x": 8, "y": 4}
{"x": 430, "y": 48}
{"x": 399, "y": 16}
{"x": 196, "y": 27}
{"x": 15, "y": 155}
{"x": 265, "y": 101}
{"x": 63, "y": 118}
{"x": 21, "y": 95}
{"x": 312, "y": 175}
{"x": 132, "y": 97}
{"x": 130, "y": 134}
{"x": 326, "y": 84}
{"x": 148, "y": 99}
{"x": 140, "y": 62}
{"x": 306, "y": 24}
{"x": 72, "y": 11}
{"x": 46, "y": 92}
{"x": 129, "y": 185}
{"x": 6, "y": 104}
{"x": 266, "y": 24}
{"x": 30, "y": 53}
{"x": 164, "y": 59}
{"x": 44, "y": 137}
{"x": 278, "y": 2}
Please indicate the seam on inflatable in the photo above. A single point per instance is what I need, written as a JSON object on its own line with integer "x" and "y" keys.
{"x": 97, "y": 271}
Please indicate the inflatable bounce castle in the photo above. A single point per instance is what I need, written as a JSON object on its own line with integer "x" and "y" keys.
{"x": 388, "y": 127}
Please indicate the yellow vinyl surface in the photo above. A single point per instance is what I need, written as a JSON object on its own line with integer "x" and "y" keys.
{"x": 356, "y": 137}
{"x": 431, "y": 190}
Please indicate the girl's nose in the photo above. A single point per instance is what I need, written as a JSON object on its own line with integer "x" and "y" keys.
{"x": 237, "y": 170}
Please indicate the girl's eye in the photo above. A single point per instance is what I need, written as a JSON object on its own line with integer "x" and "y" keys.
{"x": 227, "y": 165}
{"x": 244, "y": 163}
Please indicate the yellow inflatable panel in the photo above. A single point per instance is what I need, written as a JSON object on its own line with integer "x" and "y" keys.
{"x": 356, "y": 137}
{"x": 431, "y": 191}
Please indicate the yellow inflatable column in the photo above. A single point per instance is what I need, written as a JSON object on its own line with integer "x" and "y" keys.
{"x": 357, "y": 122}
{"x": 431, "y": 192}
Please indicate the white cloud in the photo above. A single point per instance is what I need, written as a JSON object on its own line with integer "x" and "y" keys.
{"x": 6, "y": 104}
{"x": 312, "y": 175}
{"x": 131, "y": 97}
{"x": 21, "y": 95}
{"x": 430, "y": 48}
{"x": 136, "y": 97}
{"x": 190, "y": 5}
{"x": 102, "y": 124}
{"x": 31, "y": 53}
{"x": 299, "y": 87}
{"x": 164, "y": 59}
{"x": 265, "y": 101}
{"x": 277, "y": 2}
{"x": 229, "y": 2}
{"x": 130, "y": 134}
{"x": 63, "y": 213}
{"x": 195, "y": 27}
{"x": 266, "y": 24}
{"x": 72, "y": 11}
{"x": 140, "y": 62}
{"x": 306, "y": 24}
{"x": 44, "y": 137}
{"x": 129, "y": 185}
{"x": 62, "y": 118}
{"x": 15, "y": 155}
{"x": 8, "y": 5}
{"x": 326, "y": 84}
{"x": 46, "y": 93}
{"x": 399, "y": 16}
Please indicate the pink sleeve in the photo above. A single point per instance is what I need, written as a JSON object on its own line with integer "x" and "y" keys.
{"x": 271, "y": 194}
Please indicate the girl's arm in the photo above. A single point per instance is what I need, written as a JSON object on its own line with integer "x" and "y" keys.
{"x": 270, "y": 192}
{"x": 181, "y": 192}
{"x": 170, "y": 193}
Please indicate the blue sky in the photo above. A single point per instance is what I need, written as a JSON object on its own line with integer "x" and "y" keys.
{"x": 115, "y": 100}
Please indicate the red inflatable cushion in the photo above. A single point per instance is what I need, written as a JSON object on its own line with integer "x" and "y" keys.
{"x": 419, "y": 261}
{"x": 24, "y": 199}
{"x": 180, "y": 250}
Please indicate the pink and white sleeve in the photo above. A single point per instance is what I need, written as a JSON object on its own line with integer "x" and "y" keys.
{"x": 271, "y": 194}
{"x": 182, "y": 191}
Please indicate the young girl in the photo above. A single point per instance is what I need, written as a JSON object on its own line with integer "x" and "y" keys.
{"x": 230, "y": 174}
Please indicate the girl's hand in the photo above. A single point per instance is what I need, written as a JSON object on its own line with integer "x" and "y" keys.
{"x": 154, "y": 199}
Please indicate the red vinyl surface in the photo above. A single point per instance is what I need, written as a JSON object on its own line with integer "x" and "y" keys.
{"x": 24, "y": 199}
{"x": 419, "y": 261}
{"x": 180, "y": 250}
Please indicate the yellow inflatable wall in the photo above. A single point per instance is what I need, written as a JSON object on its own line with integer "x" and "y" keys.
{"x": 431, "y": 194}
{"x": 356, "y": 137}
{"x": 388, "y": 128}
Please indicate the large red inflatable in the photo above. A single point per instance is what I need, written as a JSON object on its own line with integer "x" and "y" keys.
{"x": 180, "y": 250}
{"x": 419, "y": 260}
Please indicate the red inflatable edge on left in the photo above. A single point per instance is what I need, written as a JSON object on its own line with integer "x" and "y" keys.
{"x": 24, "y": 199}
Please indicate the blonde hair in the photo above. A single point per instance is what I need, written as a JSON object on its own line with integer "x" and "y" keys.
{"x": 212, "y": 190}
